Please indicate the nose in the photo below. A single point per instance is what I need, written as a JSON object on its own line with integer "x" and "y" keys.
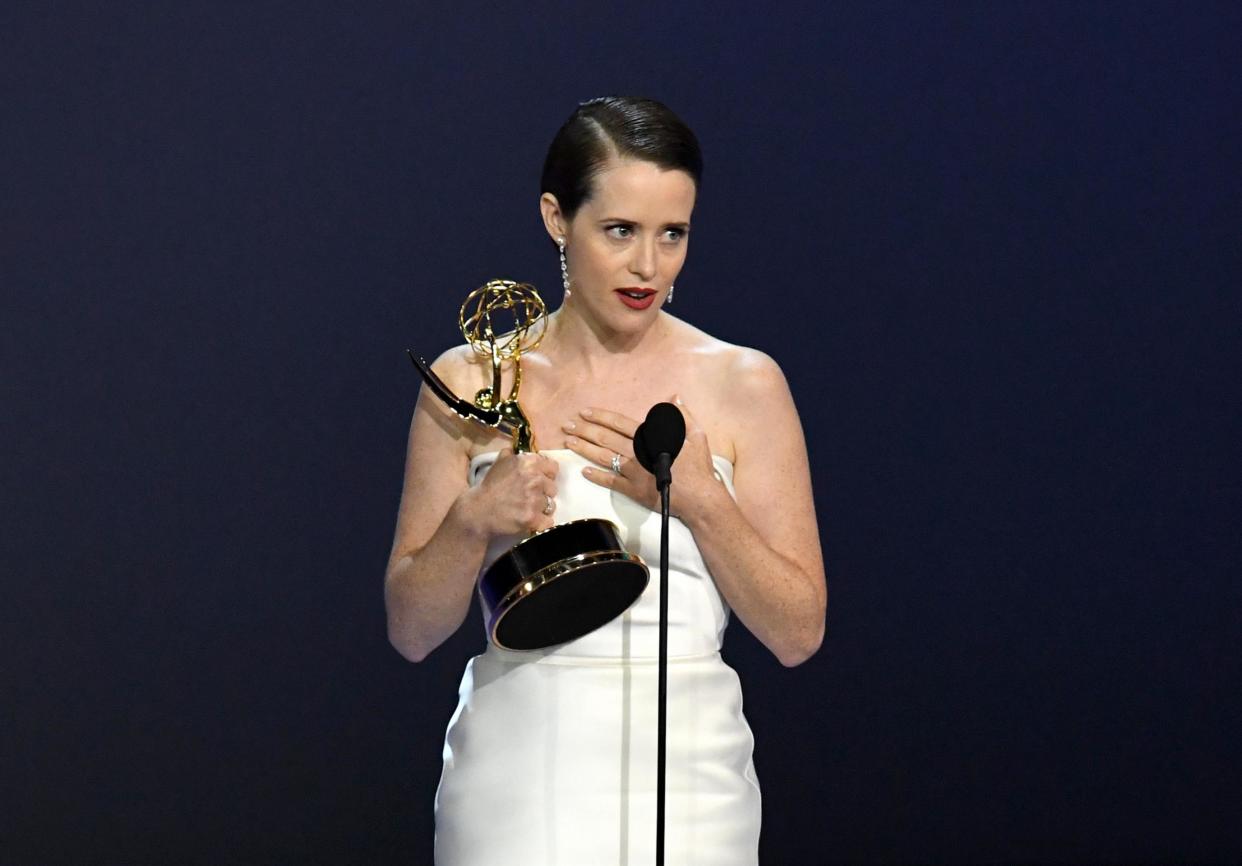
{"x": 643, "y": 261}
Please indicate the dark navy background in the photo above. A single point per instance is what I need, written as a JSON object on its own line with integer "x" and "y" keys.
{"x": 994, "y": 246}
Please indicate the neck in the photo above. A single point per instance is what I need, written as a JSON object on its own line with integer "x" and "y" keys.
{"x": 590, "y": 347}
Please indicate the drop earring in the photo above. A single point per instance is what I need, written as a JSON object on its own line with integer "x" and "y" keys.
{"x": 560, "y": 242}
{"x": 669, "y": 298}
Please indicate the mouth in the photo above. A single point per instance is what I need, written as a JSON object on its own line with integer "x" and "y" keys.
{"x": 636, "y": 298}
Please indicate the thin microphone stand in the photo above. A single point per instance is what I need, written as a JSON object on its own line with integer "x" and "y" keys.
{"x": 657, "y": 441}
{"x": 665, "y": 462}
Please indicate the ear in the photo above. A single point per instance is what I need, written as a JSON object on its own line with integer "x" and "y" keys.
{"x": 553, "y": 220}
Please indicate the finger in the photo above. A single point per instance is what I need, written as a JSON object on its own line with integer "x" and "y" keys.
{"x": 685, "y": 412}
{"x": 505, "y": 455}
{"x": 549, "y": 467}
{"x": 537, "y": 485}
{"x": 598, "y": 453}
{"x": 636, "y": 490}
{"x": 602, "y": 437}
{"x": 602, "y": 477}
{"x": 612, "y": 445}
{"x": 694, "y": 432}
{"x": 547, "y": 507}
{"x": 622, "y": 424}
{"x": 532, "y": 464}
{"x": 519, "y": 460}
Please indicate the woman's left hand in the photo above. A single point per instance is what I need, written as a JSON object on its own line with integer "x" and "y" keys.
{"x": 598, "y": 434}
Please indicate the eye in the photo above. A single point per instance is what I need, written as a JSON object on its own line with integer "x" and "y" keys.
{"x": 620, "y": 230}
{"x": 674, "y": 234}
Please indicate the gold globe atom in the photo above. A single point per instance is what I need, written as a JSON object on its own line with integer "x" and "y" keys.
{"x": 497, "y": 318}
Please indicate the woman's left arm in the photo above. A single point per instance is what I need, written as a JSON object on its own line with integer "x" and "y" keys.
{"x": 763, "y": 549}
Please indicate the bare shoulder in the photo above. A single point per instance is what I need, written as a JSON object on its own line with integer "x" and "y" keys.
{"x": 756, "y": 390}
{"x": 462, "y": 369}
{"x": 735, "y": 389}
{"x": 753, "y": 370}
{"x": 464, "y": 372}
{"x": 731, "y": 368}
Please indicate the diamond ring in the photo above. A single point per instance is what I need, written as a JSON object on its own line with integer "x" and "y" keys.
{"x": 616, "y": 463}
{"x": 549, "y": 504}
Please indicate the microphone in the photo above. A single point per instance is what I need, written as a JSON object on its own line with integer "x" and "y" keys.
{"x": 658, "y": 441}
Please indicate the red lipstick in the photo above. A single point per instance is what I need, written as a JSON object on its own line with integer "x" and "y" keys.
{"x": 636, "y": 297}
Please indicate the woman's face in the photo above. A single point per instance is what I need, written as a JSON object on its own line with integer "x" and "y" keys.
{"x": 627, "y": 243}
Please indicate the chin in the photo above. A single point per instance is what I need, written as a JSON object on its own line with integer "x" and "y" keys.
{"x": 632, "y": 323}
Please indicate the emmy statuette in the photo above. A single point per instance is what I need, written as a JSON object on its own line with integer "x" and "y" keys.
{"x": 566, "y": 581}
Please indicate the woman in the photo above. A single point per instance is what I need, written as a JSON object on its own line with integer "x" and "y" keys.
{"x": 550, "y": 757}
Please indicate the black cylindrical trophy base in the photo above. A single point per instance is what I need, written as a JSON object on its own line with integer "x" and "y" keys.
{"x": 560, "y": 584}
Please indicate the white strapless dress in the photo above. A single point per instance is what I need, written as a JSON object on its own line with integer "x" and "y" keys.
{"x": 550, "y": 758}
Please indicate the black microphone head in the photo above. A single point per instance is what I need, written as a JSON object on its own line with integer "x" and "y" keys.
{"x": 663, "y": 432}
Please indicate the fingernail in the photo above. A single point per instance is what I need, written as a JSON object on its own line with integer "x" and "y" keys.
{"x": 570, "y": 425}
{"x": 571, "y": 440}
{"x": 585, "y": 413}
{"x": 587, "y": 470}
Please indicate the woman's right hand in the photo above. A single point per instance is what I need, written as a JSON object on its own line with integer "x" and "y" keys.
{"x": 517, "y": 496}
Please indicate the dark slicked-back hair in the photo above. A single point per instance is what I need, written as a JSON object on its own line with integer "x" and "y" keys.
{"x": 626, "y": 126}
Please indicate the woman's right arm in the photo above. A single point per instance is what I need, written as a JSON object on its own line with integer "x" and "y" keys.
{"x": 444, "y": 525}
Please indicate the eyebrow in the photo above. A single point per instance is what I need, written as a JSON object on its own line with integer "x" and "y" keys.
{"x": 629, "y": 222}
